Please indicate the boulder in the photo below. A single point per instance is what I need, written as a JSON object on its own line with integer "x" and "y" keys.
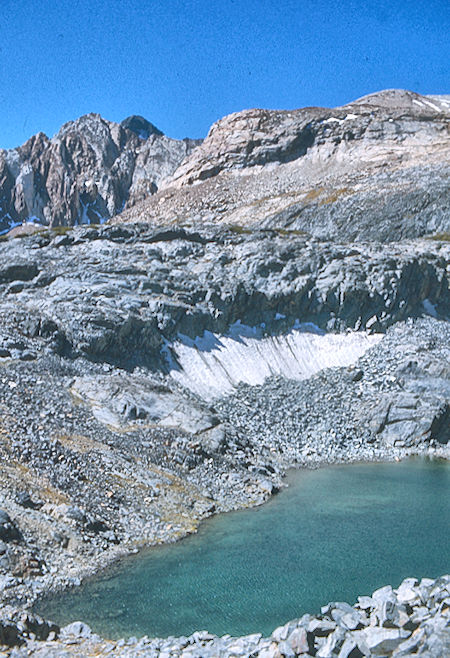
{"x": 380, "y": 641}
{"x": 8, "y": 529}
{"x": 77, "y": 629}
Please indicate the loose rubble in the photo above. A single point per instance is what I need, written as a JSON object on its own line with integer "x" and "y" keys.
{"x": 104, "y": 452}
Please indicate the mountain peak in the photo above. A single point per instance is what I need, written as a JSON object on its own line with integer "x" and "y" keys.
{"x": 140, "y": 126}
{"x": 403, "y": 99}
{"x": 87, "y": 172}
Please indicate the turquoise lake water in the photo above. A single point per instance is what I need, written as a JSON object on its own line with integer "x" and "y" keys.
{"x": 333, "y": 534}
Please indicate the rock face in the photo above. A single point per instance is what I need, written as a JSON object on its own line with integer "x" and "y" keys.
{"x": 259, "y": 137}
{"x": 88, "y": 172}
{"x": 123, "y": 294}
{"x": 376, "y": 169}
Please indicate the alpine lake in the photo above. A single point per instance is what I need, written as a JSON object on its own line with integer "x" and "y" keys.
{"x": 333, "y": 534}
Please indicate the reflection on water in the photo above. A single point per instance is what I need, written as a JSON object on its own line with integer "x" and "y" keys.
{"x": 334, "y": 534}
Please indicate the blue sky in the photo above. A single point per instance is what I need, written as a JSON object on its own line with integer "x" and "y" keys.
{"x": 183, "y": 65}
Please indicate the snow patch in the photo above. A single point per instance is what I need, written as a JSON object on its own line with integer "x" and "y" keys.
{"x": 212, "y": 365}
{"x": 435, "y": 107}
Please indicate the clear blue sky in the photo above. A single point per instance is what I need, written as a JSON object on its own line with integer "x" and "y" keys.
{"x": 184, "y": 64}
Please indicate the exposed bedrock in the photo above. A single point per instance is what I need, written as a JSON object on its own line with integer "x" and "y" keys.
{"x": 126, "y": 295}
{"x": 258, "y": 137}
{"x": 147, "y": 328}
{"x": 375, "y": 169}
{"x": 154, "y": 373}
{"x": 107, "y": 443}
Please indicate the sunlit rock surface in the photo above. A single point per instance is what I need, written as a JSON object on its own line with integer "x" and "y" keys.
{"x": 136, "y": 395}
{"x": 374, "y": 169}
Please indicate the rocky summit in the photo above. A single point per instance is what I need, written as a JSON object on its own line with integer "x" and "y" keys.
{"x": 275, "y": 296}
{"x": 89, "y": 171}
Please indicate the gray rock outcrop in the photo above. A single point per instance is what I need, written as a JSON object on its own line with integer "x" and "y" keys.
{"x": 89, "y": 171}
{"x": 117, "y": 293}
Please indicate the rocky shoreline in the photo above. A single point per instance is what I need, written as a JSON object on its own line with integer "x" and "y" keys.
{"x": 413, "y": 619}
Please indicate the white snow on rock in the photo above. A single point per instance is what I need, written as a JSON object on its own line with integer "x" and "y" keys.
{"x": 432, "y": 105}
{"x": 212, "y": 365}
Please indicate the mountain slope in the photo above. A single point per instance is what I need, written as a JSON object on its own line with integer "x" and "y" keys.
{"x": 377, "y": 168}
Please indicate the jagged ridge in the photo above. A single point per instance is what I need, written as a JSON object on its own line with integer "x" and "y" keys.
{"x": 88, "y": 172}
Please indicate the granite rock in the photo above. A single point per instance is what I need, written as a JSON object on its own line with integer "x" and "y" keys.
{"x": 89, "y": 171}
{"x": 375, "y": 169}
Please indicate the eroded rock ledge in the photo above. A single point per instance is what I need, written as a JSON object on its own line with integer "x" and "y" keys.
{"x": 117, "y": 294}
{"x": 411, "y": 620}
